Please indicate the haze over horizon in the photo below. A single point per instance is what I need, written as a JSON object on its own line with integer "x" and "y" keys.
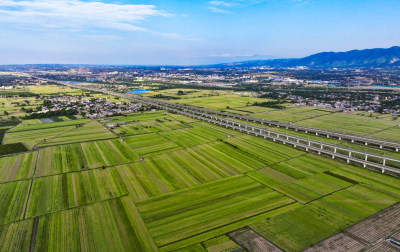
{"x": 189, "y": 32}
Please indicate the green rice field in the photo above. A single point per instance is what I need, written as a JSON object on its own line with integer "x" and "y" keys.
{"x": 179, "y": 185}
{"x": 88, "y": 132}
{"x": 83, "y": 156}
{"x": 17, "y": 167}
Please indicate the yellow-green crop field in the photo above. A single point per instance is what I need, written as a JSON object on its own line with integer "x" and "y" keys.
{"x": 165, "y": 182}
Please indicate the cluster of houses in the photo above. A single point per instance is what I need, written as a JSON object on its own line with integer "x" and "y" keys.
{"x": 91, "y": 108}
{"x": 374, "y": 104}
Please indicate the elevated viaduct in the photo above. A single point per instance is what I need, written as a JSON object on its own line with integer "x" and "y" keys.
{"x": 382, "y": 163}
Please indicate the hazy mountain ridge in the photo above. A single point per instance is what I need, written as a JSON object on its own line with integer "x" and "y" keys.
{"x": 378, "y": 57}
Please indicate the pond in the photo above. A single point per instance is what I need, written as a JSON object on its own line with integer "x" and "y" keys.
{"x": 138, "y": 91}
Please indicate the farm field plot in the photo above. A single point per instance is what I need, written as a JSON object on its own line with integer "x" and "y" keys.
{"x": 151, "y": 144}
{"x": 31, "y": 122}
{"x": 350, "y": 123}
{"x": 311, "y": 188}
{"x": 53, "y": 89}
{"x": 17, "y": 167}
{"x": 292, "y": 114}
{"x": 113, "y": 225}
{"x": 76, "y": 157}
{"x": 298, "y": 229}
{"x": 180, "y": 169}
{"x": 55, "y": 193}
{"x": 222, "y": 102}
{"x": 28, "y": 127}
{"x": 136, "y": 128}
{"x": 13, "y": 105}
{"x": 6, "y": 149}
{"x": 198, "y": 133}
{"x": 291, "y": 170}
{"x": 88, "y": 132}
{"x": 383, "y": 182}
{"x": 149, "y": 126}
{"x": 189, "y": 93}
{"x": 391, "y": 134}
{"x": 16, "y": 236}
{"x": 13, "y": 197}
{"x": 221, "y": 243}
{"x": 267, "y": 151}
{"x": 195, "y": 210}
{"x": 32, "y": 137}
{"x": 136, "y": 117}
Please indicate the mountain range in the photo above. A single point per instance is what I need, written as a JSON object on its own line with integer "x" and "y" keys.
{"x": 378, "y": 57}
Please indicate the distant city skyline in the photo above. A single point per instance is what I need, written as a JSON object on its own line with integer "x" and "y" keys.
{"x": 178, "y": 32}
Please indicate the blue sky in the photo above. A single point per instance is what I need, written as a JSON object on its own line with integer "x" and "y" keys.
{"x": 189, "y": 32}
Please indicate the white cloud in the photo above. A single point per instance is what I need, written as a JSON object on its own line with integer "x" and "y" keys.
{"x": 77, "y": 14}
{"x": 218, "y": 10}
{"x": 221, "y": 3}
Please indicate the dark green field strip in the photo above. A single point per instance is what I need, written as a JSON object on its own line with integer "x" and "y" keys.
{"x": 16, "y": 236}
{"x": 192, "y": 211}
{"x": 55, "y": 193}
{"x": 151, "y": 144}
{"x": 302, "y": 227}
{"x": 22, "y": 127}
{"x": 113, "y": 225}
{"x": 12, "y": 148}
{"x": 13, "y": 197}
{"x": 77, "y": 157}
{"x": 2, "y": 133}
{"x": 17, "y": 167}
